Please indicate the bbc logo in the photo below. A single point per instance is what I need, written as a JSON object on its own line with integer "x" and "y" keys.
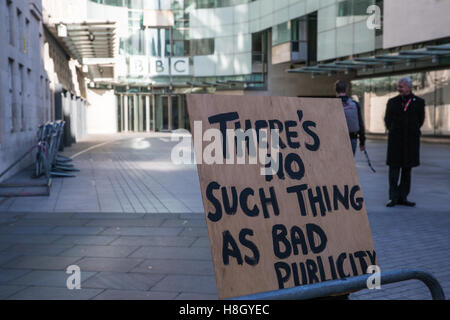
{"x": 143, "y": 66}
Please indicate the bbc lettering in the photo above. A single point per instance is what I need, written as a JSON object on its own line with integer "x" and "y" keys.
{"x": 144, "y": 66}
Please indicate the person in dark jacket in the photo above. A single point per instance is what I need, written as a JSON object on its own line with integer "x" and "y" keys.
{"x": 341, "y": 92}
{"x": 405, "y": 115}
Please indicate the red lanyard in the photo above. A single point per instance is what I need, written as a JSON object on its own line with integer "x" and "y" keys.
{"x": 407, "y": 105}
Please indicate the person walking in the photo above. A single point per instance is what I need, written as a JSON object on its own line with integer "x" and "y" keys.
{"x": 405, "y": 116}
{"x": 353, "y": 115}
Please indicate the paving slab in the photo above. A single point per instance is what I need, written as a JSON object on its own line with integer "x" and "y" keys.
{"x": 108, "y": 264}
{"x": 85, "y": 240}
{"x": 85, "y": 230}
{"x": 8, "y": 275}
{"x": 120, "y": 223}
{"x": 47, "y": 278}
{"x": 189, "y": 296}
{"x": 172, "y": 253}
{"x": 29, "y": 239}
{"x": 142, "y": 231}
{"x": 7, "y": 291}
{"x": 41, "y": 262}
{"x": 153, "y": 241}
{"x": 53, "y": 293}
{"x": 122, "y": 281}
{"x": 176, "y": 267}
{"x": 99, "y": 251}
{"x": 135, "y": 295}
{"x": 39, "y": 249}
{"x": 190, "y": 283}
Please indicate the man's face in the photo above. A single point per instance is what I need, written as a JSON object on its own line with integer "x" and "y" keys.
{"x": 403, "y": 89}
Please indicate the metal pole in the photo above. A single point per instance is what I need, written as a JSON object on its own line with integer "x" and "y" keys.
{"x": 329, "y": 288}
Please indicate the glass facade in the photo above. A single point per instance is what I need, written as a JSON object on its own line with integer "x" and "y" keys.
{"x": 171, "y": 4}
{"x": 228, "y": 42}
{"x": 155, "y": 61}
{"x": 343, "y": 29}
{"x": 433, "y": 86}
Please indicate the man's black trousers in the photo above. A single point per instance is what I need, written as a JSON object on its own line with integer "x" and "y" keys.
{"x": 399, "y": 193}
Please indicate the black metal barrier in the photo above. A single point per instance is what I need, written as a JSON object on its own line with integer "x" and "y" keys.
{"x": 353, "y": 284}
{"x": 47, "y": 163}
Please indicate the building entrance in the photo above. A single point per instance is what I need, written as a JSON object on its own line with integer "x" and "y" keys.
{"x": 152, "y": 112}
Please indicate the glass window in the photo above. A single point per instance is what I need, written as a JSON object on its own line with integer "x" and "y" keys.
{"x": 260, "y": 47}
{"x": 360, "y": 9}
{"x": 201, "y": 47}
{"x": 203, "y": 4}
{"x": 118, "y": 3}
{"x": 344, "y": 13}
{"x": 281, "y": 33}
{"x": 442, "y": 112}
{"x": 172, "y": 4}
{"x": 345, "y": 8}
{"x": 374, "y": 94}
{"x": 134, "y": 4}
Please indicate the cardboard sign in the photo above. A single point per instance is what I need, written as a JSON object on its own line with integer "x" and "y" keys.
{"x": 304, "y": 223}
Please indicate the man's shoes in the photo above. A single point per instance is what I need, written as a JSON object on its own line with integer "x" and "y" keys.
{"x": 391, "y": 204}
{"x": 407, "y": 203}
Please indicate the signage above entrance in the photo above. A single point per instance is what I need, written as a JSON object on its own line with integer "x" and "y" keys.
{"x": 154, "y": 66}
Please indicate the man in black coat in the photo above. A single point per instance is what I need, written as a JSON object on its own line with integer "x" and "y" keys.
{"x": 405, "y": 115}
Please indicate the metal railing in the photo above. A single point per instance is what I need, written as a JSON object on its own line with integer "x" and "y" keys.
{"x": 48, "y": 162}
{"x": 344, "y": 286}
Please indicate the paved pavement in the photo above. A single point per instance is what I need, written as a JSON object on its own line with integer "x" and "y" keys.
{"x": 133, "y": 222}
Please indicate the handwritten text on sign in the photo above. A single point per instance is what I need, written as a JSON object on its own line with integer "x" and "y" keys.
{"x": 305, "y": 223}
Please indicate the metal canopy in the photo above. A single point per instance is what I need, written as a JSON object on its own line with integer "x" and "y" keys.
{"x": 403, "y": 57}
{"x": 91, "y": 40}
{"x": 433, "y": 52}
{"x": 92, "y": 43}
{"x": 369, "y": 61}
{"x": 441, "y": 47}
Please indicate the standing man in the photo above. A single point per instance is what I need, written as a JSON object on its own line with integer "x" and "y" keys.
{"x": 353, "y": 115}
{"x": 405, "y": 115}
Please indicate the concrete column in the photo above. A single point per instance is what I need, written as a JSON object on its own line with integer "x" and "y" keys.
{"x": 141, "y": 113}
{"x": 154, "y": 112}
{"x": 135, "y": 113}
{"x": 120, "y": 112}
{"x": 147, "y": 113}
{"x": 125, "y": 113}
{"x": 170, "y": 112}
{"x": 180, "y": 114}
